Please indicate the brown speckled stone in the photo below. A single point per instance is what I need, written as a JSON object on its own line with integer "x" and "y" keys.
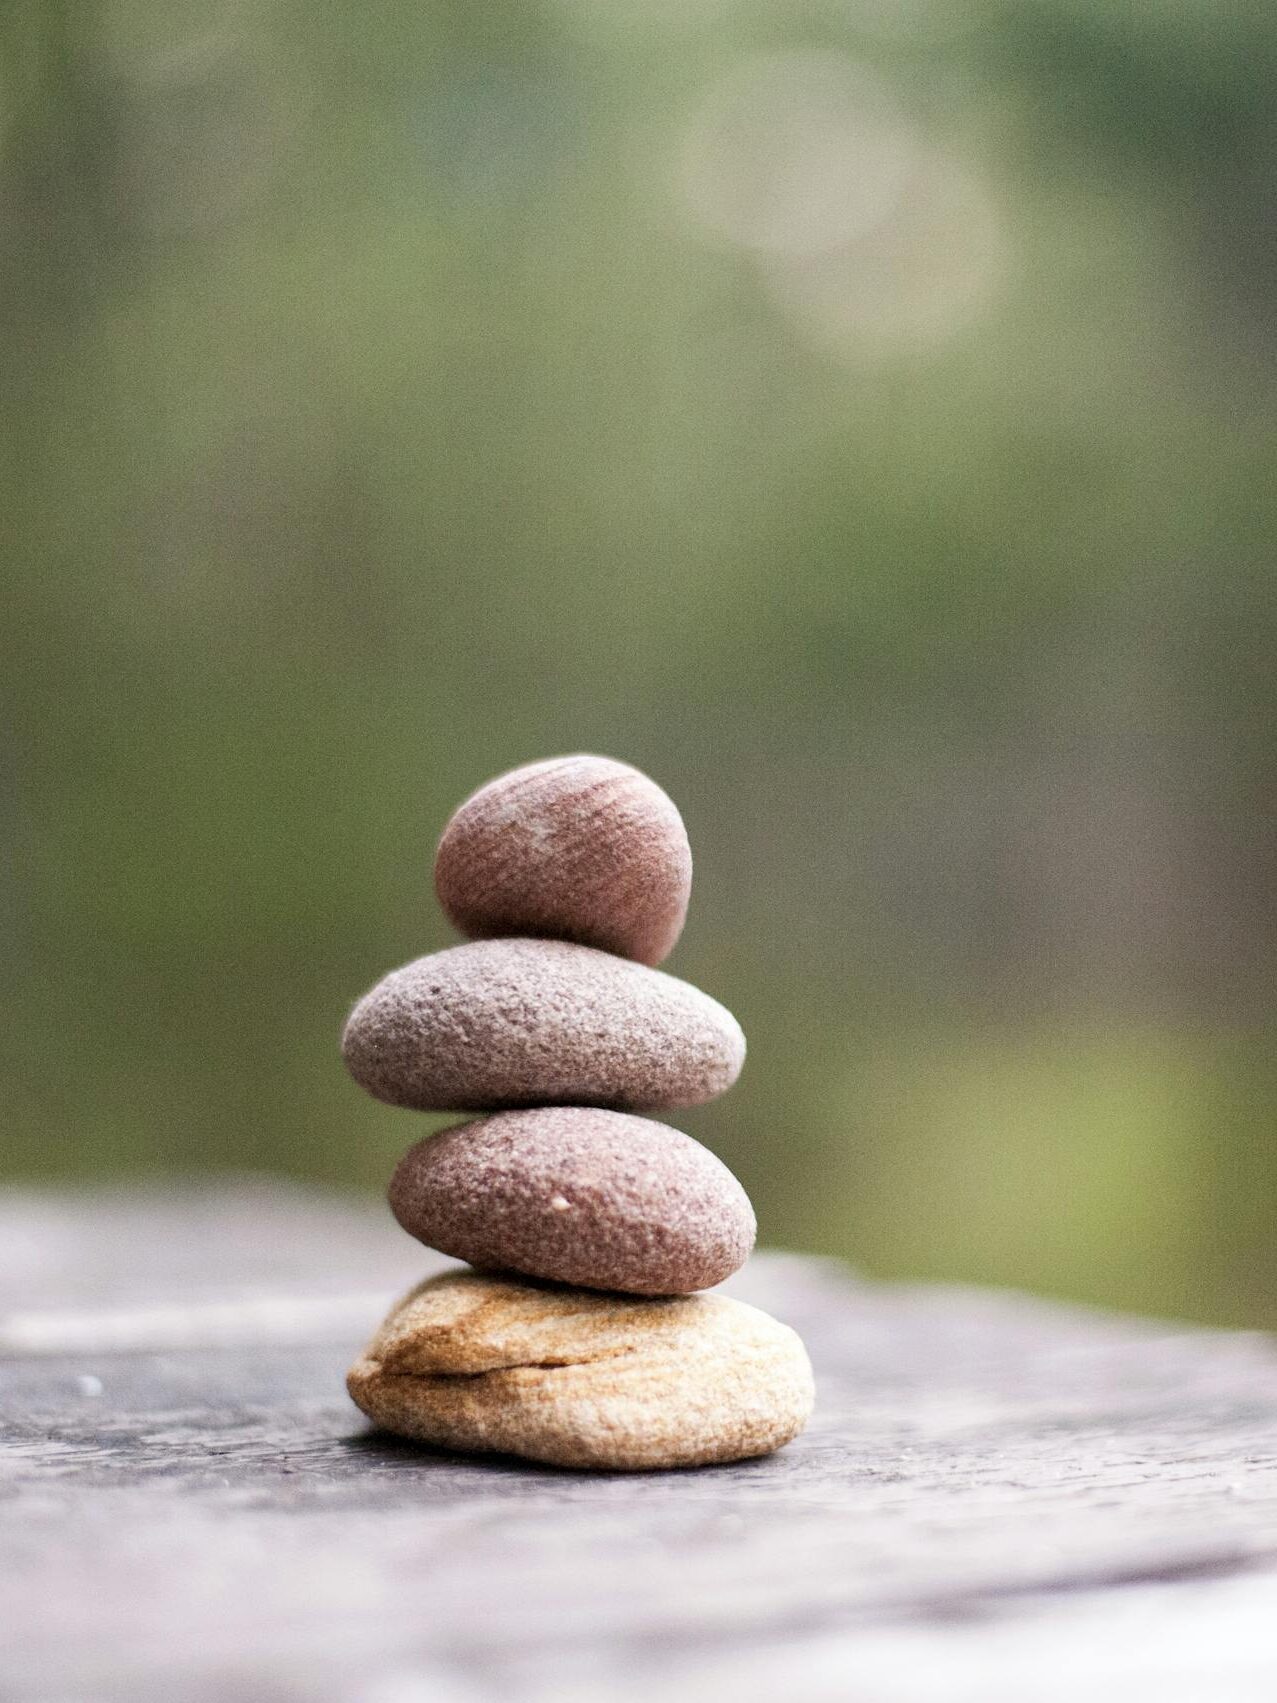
{"x": 504, "y": 1023}
{"x": 574, "y": 848}
{"x": 582, "y": 1196}
{"x": 579, "y": 1379}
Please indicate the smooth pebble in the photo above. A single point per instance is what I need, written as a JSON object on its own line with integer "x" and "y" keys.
{"x": 595, "y": 1198}
{"x": 506, "y": 1023}
{"x": 575, "y": 848}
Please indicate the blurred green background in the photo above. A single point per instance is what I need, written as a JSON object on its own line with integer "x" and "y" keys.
{"x": 858, "y": 413}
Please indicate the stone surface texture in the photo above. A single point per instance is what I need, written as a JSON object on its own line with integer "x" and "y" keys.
{"x": 575, "y": 1379}
{"x": 577, "y": 848}
{"x": 577, "y": 1195}
{"x": 507, "y": 1023}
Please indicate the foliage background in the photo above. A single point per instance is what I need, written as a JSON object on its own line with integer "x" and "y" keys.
{"x": 859, "y": 413}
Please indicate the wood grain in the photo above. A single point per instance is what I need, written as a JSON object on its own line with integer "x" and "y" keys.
{"x": 998, "y": 1498}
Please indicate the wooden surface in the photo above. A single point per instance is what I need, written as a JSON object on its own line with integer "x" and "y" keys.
{"x": 1000, "y": 1500}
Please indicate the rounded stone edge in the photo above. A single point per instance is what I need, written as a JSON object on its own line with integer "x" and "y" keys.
{"x": 480, "y": 1413}
{"x": 649, "y": 945}
{"x": 359, "y": 1046}
{"x": 382, "y": 1399}
{"x": 733, "y": 1249}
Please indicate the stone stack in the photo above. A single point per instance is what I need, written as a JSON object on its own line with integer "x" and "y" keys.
{"x": 578, "y": 1338}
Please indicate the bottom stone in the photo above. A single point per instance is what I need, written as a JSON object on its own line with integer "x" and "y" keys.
{"x": 581, "y": 1379}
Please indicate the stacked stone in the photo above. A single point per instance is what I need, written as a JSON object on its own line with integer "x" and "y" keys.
{"x": 579, "y": 1336}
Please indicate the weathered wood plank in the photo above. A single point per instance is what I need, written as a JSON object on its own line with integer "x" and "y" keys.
{"x": 193, "y": 1509}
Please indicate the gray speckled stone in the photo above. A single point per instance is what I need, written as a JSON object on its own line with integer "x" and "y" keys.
{"x": 577, "y": 1195}
{"x": 506, "y": 1023}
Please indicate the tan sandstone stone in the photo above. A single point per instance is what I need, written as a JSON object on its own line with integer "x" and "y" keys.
{"x": 580, "y": 1379}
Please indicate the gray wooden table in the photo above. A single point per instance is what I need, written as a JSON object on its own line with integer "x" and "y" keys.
{"x": 1000, "y": 1500}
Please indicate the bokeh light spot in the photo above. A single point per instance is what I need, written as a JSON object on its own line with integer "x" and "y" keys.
{"x": 794, "y": 153}
{"x": 914, "y": 280}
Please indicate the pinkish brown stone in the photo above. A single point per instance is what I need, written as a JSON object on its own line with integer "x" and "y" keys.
{"x": 580, "y": 1196}
{"x": 575, "y": 848}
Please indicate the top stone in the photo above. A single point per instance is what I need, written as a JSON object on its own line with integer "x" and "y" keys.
{"x": 579, "y": 848}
